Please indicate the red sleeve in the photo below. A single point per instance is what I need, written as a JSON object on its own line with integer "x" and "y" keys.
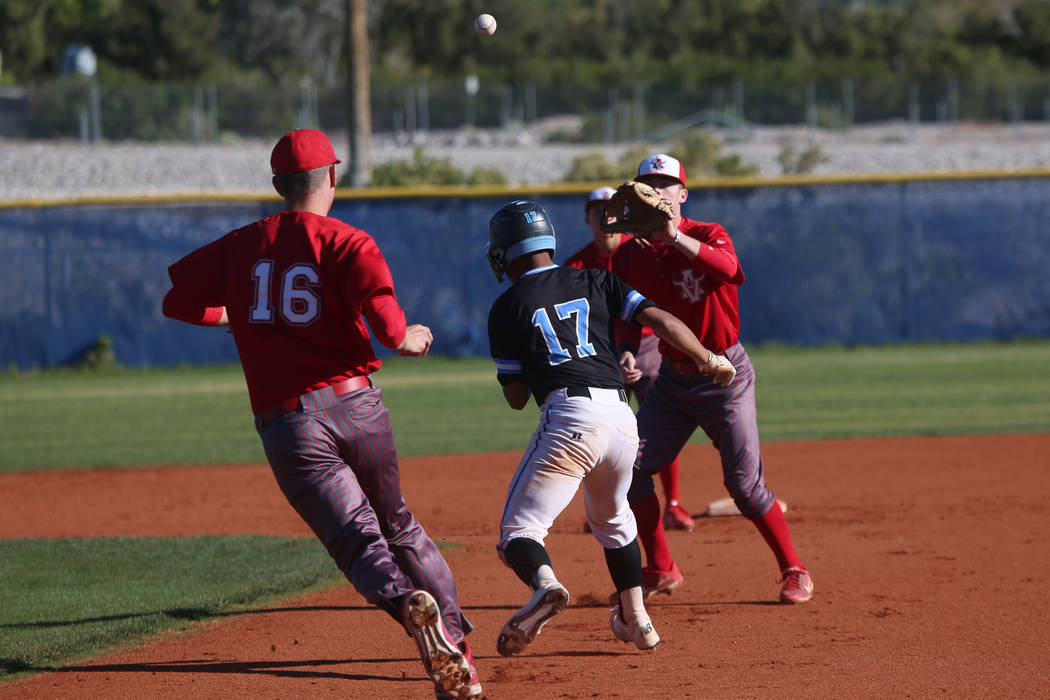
{"x": 386, "y": 318}
{"x": 181, "y": 310}
{"x": 197, "y": 281}
{"x": 369, "y": 287}
{"x": 717, "y": 257}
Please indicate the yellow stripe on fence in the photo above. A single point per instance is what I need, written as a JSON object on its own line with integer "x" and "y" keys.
{"x": 512, "y": 191}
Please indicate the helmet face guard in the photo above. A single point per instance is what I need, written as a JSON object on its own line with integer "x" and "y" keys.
{"x": 517, "y": 229}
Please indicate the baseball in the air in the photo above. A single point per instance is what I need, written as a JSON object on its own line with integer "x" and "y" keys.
{"x": 485, "y": 25}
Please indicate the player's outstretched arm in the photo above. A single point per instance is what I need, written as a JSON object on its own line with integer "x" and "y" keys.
{"x": 673, "y": 331}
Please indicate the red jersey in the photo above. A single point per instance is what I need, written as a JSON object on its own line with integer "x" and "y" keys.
{"x": 589, "y": 257}
{"x": 701, "y": 292}
{"x": 297, "y": 288}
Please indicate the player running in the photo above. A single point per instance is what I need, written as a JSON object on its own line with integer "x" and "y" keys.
{"x": 296, "y": 289}
{"x": 552, "y": 337}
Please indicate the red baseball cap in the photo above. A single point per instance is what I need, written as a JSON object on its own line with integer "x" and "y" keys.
{"x": 662, "y": 164}
{"x": 301, "y": 150}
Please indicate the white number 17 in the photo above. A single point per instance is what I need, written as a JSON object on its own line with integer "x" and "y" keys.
{"x": 556, "y": 353}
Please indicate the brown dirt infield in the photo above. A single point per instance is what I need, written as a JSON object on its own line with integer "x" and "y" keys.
{"x": 929, "y": 557}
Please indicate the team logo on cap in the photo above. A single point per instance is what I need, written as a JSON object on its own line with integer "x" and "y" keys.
{"x": 662, "y": 164}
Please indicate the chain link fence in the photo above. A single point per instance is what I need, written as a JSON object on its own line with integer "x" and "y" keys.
{"x": 81, "y": 108}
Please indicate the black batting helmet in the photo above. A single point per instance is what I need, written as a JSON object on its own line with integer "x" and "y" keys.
{"x": 516, "y": 229}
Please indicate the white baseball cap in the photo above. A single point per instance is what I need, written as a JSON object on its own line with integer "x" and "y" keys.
{"x": 662, "y": 164}
{"x": 600, "y": 194}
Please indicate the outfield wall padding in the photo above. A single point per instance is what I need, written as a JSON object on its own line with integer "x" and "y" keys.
{"x": 841, "y": 262}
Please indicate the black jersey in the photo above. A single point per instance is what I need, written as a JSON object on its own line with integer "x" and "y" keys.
{"x": 554, "y": 328}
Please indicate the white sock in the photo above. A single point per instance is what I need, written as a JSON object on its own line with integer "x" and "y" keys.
{"x": 545, "y": 577}
{"x": 632, "y": 605}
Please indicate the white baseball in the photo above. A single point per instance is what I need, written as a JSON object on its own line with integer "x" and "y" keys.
{"x": 485, "y": 25}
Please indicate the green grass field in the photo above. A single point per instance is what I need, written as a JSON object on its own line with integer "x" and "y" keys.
{"x": 445, "y": 406}
{"x": 62, "y": 600}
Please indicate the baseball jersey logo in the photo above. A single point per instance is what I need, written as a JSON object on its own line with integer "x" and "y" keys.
{"x": 689, "y": 283}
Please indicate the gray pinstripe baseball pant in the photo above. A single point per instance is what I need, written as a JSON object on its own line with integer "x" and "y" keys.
{"x": 336, "y": 463}
{"x": 678, "y": 404}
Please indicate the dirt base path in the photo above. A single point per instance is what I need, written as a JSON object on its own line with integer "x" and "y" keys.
{"x": 929, "y": 557}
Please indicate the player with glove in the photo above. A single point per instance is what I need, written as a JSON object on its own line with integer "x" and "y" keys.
{"x": 551, "y": 336}
{"x": 691, "y": 269}
{"x": 639, "y": 379}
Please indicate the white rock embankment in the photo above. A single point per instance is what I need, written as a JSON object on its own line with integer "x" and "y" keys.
{"x": 58, "y": 170}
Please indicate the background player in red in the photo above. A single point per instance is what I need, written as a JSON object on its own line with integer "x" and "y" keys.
{"x": 552, "y": 337}
{"x": 598, "y": 255}
{"x": 295, "y": 290}
{"x": 690, "y": 269}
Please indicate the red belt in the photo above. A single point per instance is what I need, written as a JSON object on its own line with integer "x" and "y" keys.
{"x": 292, "y": 404}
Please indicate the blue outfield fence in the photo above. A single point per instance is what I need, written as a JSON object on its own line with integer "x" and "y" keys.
{"x": 852, "y": 261}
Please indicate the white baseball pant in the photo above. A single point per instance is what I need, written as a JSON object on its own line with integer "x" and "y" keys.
{"x": 593, "y": 441}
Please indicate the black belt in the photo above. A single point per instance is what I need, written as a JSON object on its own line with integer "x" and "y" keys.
{"x": 586, "y": 392}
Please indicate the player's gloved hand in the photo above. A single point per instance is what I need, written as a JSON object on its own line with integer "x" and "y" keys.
{"x": 637, "y": 208}
{"x": 629, "y": 369}
{"x": 417, "y": 341}
{"x": 720, "y": 368}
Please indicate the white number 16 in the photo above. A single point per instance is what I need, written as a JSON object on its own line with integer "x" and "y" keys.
{"x": 300, "y": 303}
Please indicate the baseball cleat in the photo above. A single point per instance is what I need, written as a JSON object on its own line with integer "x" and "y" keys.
{"x": 639, "y": 632}
{"x": 677, "y": 518}
{"x": 445, "y": 664}
{"x": 796, "y": 585}
{"x": 473, "y": 689}
{"x": 524, "y": 625}
{"x": 655, "y": 581}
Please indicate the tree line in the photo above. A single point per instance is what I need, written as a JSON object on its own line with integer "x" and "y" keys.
{"x": 543, "y": 42}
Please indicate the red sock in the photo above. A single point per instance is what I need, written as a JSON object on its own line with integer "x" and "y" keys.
{"x": 774, "y": 529}
{"x": 669, "y": 479}
{"x": 651, "y": 533}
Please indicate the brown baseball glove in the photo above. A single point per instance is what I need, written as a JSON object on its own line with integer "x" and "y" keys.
{"x": 635, "y": 207}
